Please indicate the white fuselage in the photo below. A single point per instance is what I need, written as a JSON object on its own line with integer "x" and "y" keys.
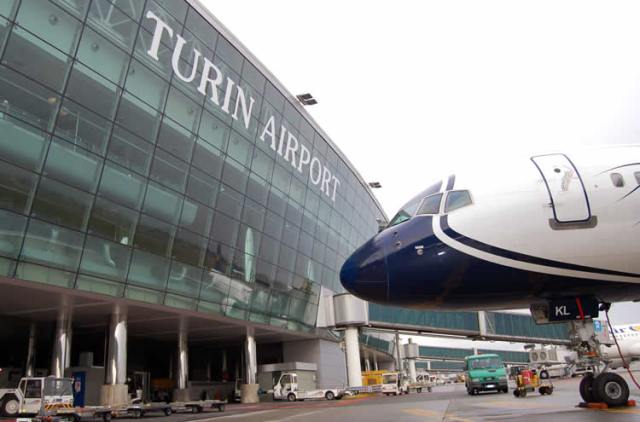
{"x": 628, "y": 337}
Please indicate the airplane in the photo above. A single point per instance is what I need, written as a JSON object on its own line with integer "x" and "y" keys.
{"x": 557, "y": 231}
{"x": 628, "y": 337}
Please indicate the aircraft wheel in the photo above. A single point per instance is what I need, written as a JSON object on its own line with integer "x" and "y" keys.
{"x": 586, "y": 388}
{"x": 291, "y": 397}
{"x": 611, "y": 388}
{"x": 10, "y": 406}
{"x": 329, "y": 395}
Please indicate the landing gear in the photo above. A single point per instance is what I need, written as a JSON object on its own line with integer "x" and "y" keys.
{"x": 586, "y": 338}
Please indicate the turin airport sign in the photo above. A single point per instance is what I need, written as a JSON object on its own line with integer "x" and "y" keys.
{"x": 280, "y": 139}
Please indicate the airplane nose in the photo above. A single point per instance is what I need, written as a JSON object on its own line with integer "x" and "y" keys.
{"x": 364, "y": 273}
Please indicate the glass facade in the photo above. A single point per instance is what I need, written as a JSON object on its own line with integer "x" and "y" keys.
{"x": 120, "y": 174}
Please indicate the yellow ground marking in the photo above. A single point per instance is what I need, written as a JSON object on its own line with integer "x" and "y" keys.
{"x": 434, "y": 414}
{"x": 517, "y": 404}
{"x": 629, "y": 411}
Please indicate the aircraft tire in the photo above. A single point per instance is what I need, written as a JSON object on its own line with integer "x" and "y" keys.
{"x": 611, "y": 388}
{"x": 586, "y": 388}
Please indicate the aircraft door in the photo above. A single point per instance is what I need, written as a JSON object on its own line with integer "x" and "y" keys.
{"x": 567, "y": 193}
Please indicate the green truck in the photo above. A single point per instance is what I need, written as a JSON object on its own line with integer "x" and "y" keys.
{"x": 485, "y": 373}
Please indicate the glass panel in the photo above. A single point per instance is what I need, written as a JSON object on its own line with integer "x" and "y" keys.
{"x": 46, "y": 275}
{"x": 105, "y": 259}
{"x": 81, "y": 126}
{"x": 73, "y": 165}
{"x": 229, "y": 54}
{"x": 431, "y": 205}
{"x": 62, "y": 204}
{"x": 154, "y": 236}
{"x": 130, "y": 151}
{"x": 202, "y": 188}
{"x": 229, "y": 201}
{"x": 11, "y": 232}
{"x": 102, "y": 56}
{"x": 100, "y": 286}
{"x": 262, "y": 164}
{"x": 182, "y": 109}
{"x": 122, "y": 186}
{"x": 169, "y": 171}
{"x": 179, "y": 302}
{"x": 112, "y": 23}
{"x": 253, "y": 214}
{"x": 36, "y": 59}
{"x": 234, "y": 175}
{"x": 7, "y": 267}
{"x": 218, "y": 257}
{"x": 225, "y": 229}
{"x": 113, "y": 221}
{"x": 189, "y": 248}
{"x": 132, "y": 8}
{"x": 208, "y": 159}
{"x": 52, "y": 245}
{"x": 148, "y": 270}
{"x": 7, "y": 8}
{"x": 16, "y": 188}
{"x": 50, "y": 23}
{"x": 214, "y": 131}
{"x": 92, "y": 91}
{"x": 143, "y": 295}
{"x": 172, "y": 12}
{"x": 162, "y": 203}
{"x": 138, "y": 117}
{"x": 215, "y": 287}
{"x": 165, "y": 50}
{"x": 239, "y": 149}
{"x": 176, "y": 139}
{"x": 457, "y": 199}
{"x": 201, "y": 28}
{"x": 184, "y": 279}
{"x": 26, "y": 100}
{"x": 146, "y": 85}
{"x": 196, "y": 217}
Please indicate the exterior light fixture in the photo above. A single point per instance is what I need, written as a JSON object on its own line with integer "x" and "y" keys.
{"x": 306, "y": 99}
{"x": 375, "y": 185}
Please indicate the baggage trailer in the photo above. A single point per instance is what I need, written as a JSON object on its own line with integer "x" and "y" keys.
{"x": 197, "y": 406}
{"x": 138, "y": 409}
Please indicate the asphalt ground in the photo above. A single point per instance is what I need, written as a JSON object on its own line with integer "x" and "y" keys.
{"x": 446, "y": 403}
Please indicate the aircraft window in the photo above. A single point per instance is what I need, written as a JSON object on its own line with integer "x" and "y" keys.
{"x": 430, "y": 205}
{"x": 457, "y": 199}
{"x": 617, "y": 180}
{"x": 409, "y": 209}
{"x": 637, "y": 174}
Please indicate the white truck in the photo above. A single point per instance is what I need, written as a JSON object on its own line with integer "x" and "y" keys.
{"x": 46, "y": 396}
{"x": 392, "y": 384}
{"x": 287, "y": 389}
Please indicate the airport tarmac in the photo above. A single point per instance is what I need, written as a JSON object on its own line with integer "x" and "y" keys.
{"x": 445, "y": 403}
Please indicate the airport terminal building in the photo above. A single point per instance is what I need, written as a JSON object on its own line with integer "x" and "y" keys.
{"x": 161, "y": 193}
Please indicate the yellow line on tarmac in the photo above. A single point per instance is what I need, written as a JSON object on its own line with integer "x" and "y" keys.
{"x": 627, "y": 411}
{"x": 434, "y": 414}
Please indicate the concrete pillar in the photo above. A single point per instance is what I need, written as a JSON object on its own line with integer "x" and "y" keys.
{"x": 367, "y": 364}
{"x": 375, "y": 362}
{"x": 352, "y": 349}
{"x": 398, "y": 354}
{"x": 115, "y": 390}
{"x": 412, "y": 370}
{"x": 31, "y": 351}
{"x": 182, "y": 369}
{"x": 249, "y": 390}
{"x": 62, "y": 343}
{"x": 482, "y": 323}
{"x": 428, "y": 365}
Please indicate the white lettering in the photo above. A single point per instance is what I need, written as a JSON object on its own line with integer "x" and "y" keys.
{"x": 326, "y": 178}
{"x": 227, "y": 95}
{"x": 336, "y": 182}
{"x": 291, "y": 140}
{"x": 206, "y": 80}
{"x": 157, "y": 34}
{"x": 315, "y": 180}
{"x": 270, "y": 129}
{"x": 175, "y": 60}
{"x": 246, "y": 112}
{"x": 305, "y": 157}
{"x": 283, "y": 131}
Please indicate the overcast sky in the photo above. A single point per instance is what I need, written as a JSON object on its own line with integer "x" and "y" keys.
{"x": 412, "y": 90}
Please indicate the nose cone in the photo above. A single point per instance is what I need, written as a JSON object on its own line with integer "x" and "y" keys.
{"x": 364, "y": 274}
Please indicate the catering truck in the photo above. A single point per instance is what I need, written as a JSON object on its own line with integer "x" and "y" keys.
{"x": 485, "y": 373}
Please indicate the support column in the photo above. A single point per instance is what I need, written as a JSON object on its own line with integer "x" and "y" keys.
{"x": 182, "y": 370}
{"x": 31, "y": 351}
{"x": 352, "y": 349}
{"x": 398, "y": 354}
{"x": 115, "y": 390}
{"x": 412, "y": 352}
{"x": 62, "y": 343}
{"x": 249, "y": 390}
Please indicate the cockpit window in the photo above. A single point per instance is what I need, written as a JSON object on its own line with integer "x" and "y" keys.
{"x": 457, "y": 199}
{"x": 637, "y": 175}
{"x": 409, "y": 209}
{"x": 430, "y": 205}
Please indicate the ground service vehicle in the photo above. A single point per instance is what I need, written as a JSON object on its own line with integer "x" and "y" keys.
{"x": 485, "y": 373}
{"x": 287, "y": 389}
{"x": 392, "y": 384}
{"x": 46, "y": 396}
{"x": 556, "y": 231}
{"x": 528, "y": 381}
